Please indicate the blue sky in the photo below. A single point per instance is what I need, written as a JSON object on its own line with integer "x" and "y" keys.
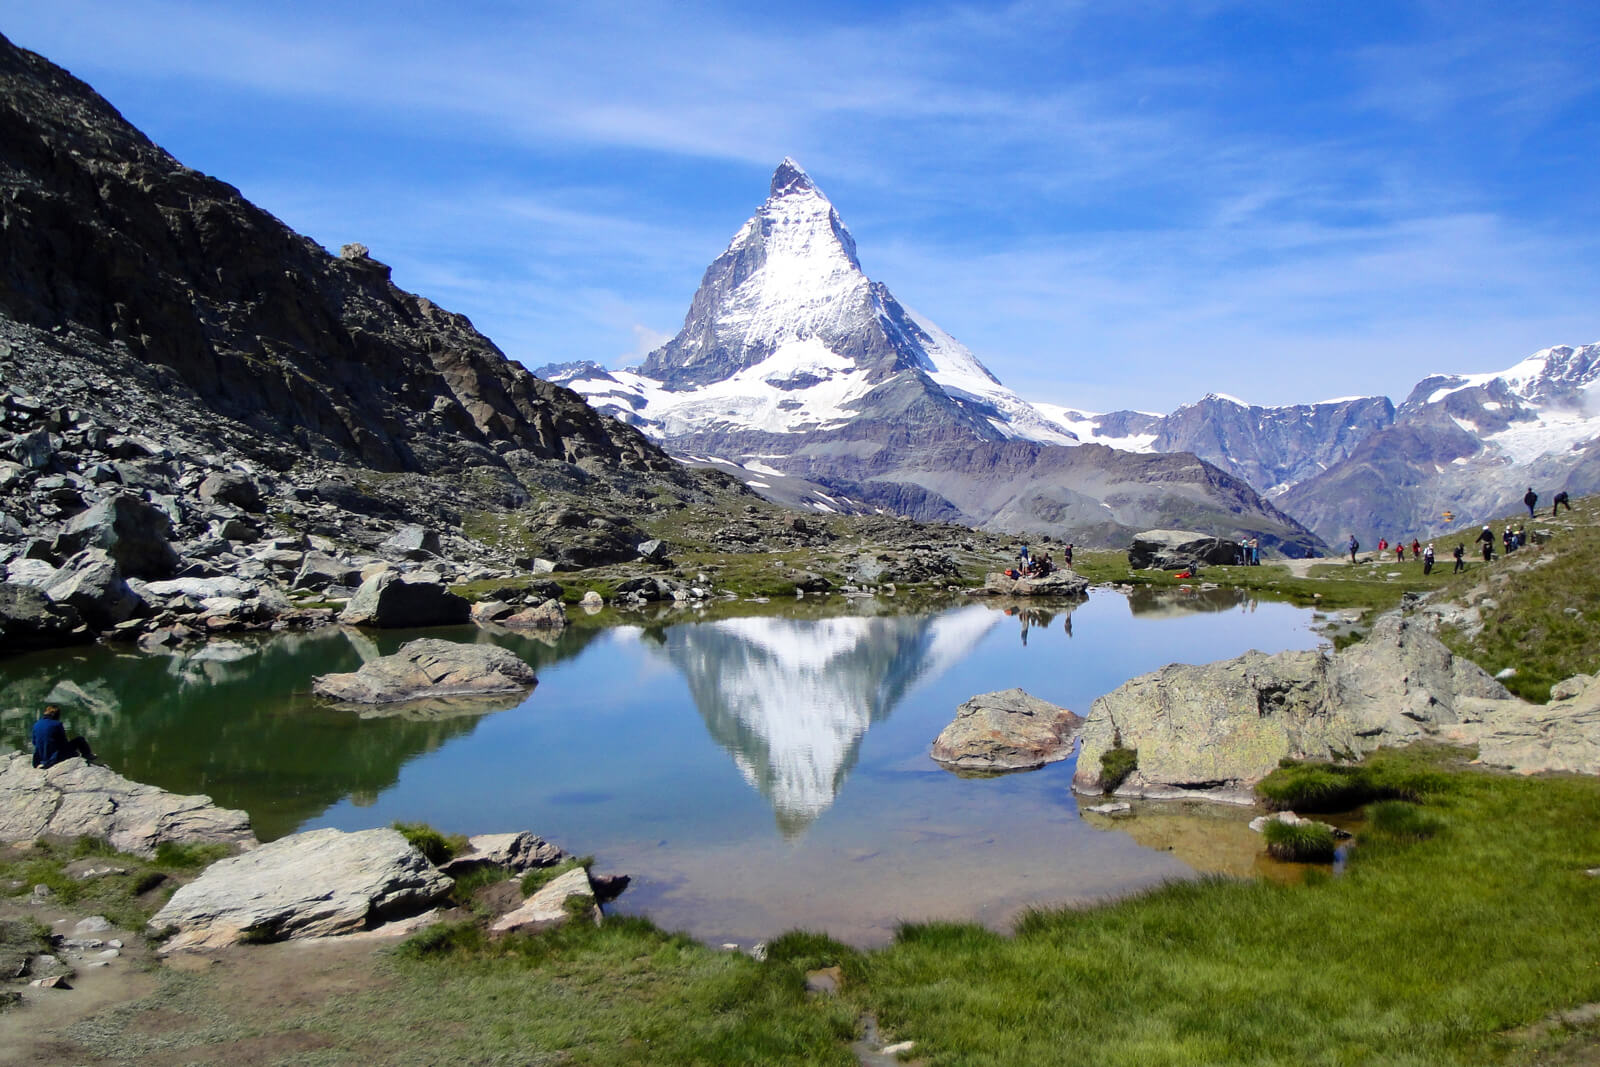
{"x": 1120, "y": 204}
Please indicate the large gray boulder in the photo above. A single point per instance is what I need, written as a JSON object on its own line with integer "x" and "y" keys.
{"x": 317, "y": 884}
{"x": 1006, "y": 731}
{"x": 92, "y": 583}
{"x": 78, "y": 799}
{"x": 429, "y": 668}
{"x": 1056, "y": 584}
{"x": 414, "y": 542}
{"x": 29, "y": 619}
{"x": 134, "y": 533}
{"x": 1225, "y": 725}
{"x": 1176, "y": 550}
{"x": 517, "y": 852}
{"x": 231, "y": 487}
{"x": 387, "y": 600}
{"x": 547, "y": 615}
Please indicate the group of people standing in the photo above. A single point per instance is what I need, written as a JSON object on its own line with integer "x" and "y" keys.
{"x": 1510, "y": 539}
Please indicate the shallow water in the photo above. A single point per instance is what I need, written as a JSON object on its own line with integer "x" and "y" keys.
{"x": 753, "y": 773}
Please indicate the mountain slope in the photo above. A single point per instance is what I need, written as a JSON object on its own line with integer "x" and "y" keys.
{"x": 792, "y": 360}
{"x": 152, "y": 267}
{"x": 1468, "y": 444}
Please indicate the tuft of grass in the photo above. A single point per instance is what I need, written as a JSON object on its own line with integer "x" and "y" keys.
{"x": 434, "y": 845}
{"x": 1300, "y": 842}
{"x": 444, "y": 939}
{"x": 540, "y": 877}
{"x": 467, "y": 885}
{"x": 1323, "y": 787}
{"x": 1116, "y": 763}
{"x": 176, "y": 856}
{"x": 1400, "y": 821}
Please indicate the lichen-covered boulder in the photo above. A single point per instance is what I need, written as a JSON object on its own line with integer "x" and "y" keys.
{"x": 320, "y": 883}
{"x": 1175, "y": 550}
{"x": 1006, "y": 731}
{"x": 1056, "y": 584}
{"x": 78, "y": 799}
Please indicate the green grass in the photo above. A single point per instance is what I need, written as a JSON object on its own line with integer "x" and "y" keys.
{"x": 1397, "y": 820}
{"x": 1116, "y": 763}
{"x": 437, "y": 847}
{"x": 1423, "y": 952}
{"x": 120, "y": 897}
{"x": 1302, "y": 842}
{"x": 1547, "y": 606}
{"x": 1322, "y": 787}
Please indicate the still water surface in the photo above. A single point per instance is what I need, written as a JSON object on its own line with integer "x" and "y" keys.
{"x": 754, "y": 774}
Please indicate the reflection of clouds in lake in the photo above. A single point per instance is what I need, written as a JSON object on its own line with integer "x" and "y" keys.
{"x": 790, "y": 699}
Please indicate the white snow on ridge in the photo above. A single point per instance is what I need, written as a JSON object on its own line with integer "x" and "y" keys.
{"x": 1084, "y": 426}
{"x": 1551, "y": 432}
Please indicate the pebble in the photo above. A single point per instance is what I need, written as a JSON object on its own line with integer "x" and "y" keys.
{"x": 899, "y": 1047}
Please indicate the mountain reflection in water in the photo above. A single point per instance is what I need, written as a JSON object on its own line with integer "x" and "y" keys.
{"x": 790, "y": 700}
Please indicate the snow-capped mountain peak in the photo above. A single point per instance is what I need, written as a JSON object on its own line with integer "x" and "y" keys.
{"x": 787, "y": 335}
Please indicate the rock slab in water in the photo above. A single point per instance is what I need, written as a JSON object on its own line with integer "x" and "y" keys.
{"x": 1006, "y": 731}
{"x": 1176, "y": 550}
{"x": 427, "y": 668}
{"x": 317, "y": 884}
{"x": 78, "y": 799}
{"x": 1059, "y": 583}
{"x": 548, "y": 907}
{"x": 1226, "y": 725}
{"x": 387, "y": 600}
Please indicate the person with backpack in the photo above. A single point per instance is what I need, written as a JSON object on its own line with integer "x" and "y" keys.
{"x": 1530, "y": 498}
{"x": 1460, "y": 553}
{"x": 1354, "y": 546}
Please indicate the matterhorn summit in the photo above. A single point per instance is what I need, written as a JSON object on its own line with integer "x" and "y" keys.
{"x": 787, "y": 335}
{"x": 800, "y": 375}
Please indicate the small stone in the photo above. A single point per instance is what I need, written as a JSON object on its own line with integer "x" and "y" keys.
{"x": 899, "y": 1047}
{"x": 94, "y": 924}
{"x": 1113, "y": 808}
{"x": 55, "y": 981}
{"x": 825, "y": 981}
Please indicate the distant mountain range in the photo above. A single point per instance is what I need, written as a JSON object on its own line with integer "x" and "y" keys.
{"x": 793, "y": 366}
{"x": 817, "y": 387}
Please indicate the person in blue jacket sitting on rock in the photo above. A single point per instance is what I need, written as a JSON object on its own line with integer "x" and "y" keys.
{"x": 51, "y": 744}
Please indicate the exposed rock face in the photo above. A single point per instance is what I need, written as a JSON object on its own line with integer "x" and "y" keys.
{"x": 548, "y": 907}
{"x": 430, "y": 668}
{"x": 77, "y": 799}
{"x": 317, "y": 884}
{"x": 1057, "y": 584}
{"x": 549, "y": 615}
{"x": 29, "y": 619}
{"x": 1176, "y": 550}
{"x": 1006, "y": 731}
{"x": 1227, "y": 724}
{"x": 520, "y": 851}
{"x": 1563, "y": 735}
{"x": 388, "y": 600}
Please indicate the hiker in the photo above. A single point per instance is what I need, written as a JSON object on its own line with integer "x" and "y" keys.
{"x": 1383, "y": 544}
{"x": 1530, "y": 498}
{"x": 51, "y": 744}
{"x": 1487, "y": 537}
{"x": 1416, "y": 549}
{"x": 1560, "y": 498}
{"x": 1460, "y": 554}
{"x": 1354, "y": 546}
{"x": 1255, "y": 551}
{"x": 1400, "y": 551}
{"x": 1427, "y": 559}
{"x": 1522, "y": 535}
{"x": 1066, "y": 556}
{"x": 1509, "y": 539}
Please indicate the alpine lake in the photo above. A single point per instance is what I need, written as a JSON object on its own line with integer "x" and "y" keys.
{"x": 755, "y": 767}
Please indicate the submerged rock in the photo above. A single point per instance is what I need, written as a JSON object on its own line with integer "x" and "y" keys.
{"x": 1006, "y": 731}
{"x": 78, "y": 799}
{"x": 430, "y": 668}
{"x": 317, "y": 884}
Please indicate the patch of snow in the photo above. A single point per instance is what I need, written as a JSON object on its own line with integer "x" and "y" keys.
{"x": 758, "y": 485}
{"x": 1553, "y": 431}
{"x": 762, "y": 468}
